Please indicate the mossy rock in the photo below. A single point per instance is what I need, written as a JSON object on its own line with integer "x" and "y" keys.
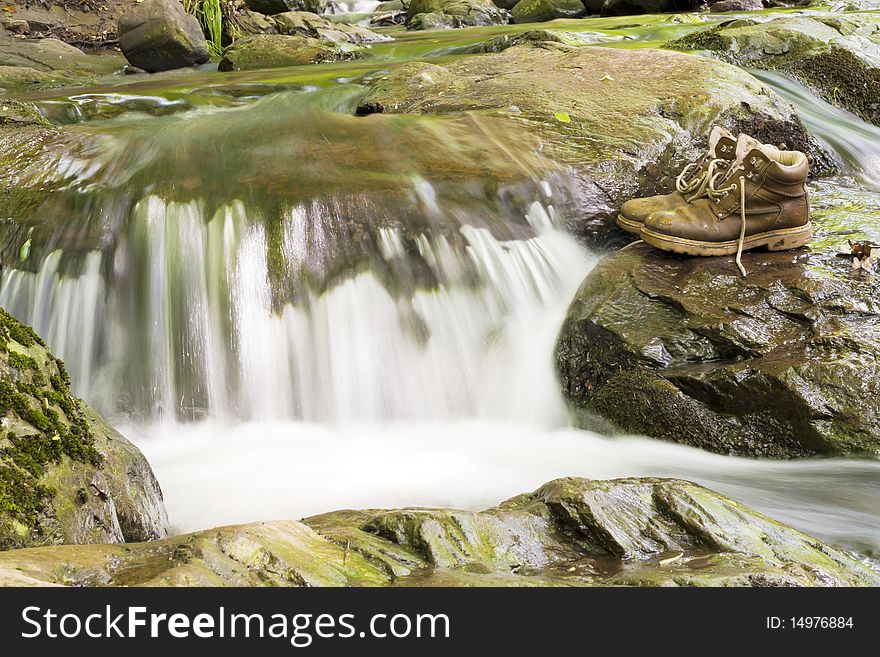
{"x": 34, "y": 64}
{"x": 622, "y": 121}
{"x": 450, "y": 14}
{"x": 782, "y": 363}
{"x": 837, "y": 56}
{"x": 271, "y": 7}
{"x": 539, "y": 11}
{"x": 569, "y": 532}
{"x": 304, "y": 23}
{"x": 277, "y": 51}
{"x": 65, "y": 475}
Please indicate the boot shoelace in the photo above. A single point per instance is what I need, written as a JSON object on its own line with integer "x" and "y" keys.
{"x": 697, "y": 188}
{"x": 718, "y": 193}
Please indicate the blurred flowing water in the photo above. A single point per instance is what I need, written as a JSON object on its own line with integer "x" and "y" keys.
{"x": 292, "y": 309}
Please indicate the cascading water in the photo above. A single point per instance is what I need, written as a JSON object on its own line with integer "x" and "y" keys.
{"x": 290, "y": 312}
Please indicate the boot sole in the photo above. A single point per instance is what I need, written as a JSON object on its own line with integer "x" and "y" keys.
{"x": 775, "y": 240}
{"x": 629, "y": 225}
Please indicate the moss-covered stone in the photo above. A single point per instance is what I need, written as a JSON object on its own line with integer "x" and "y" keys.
{"x": 311, "y": 25}
{"x": 837, "y": 56}
{"x": 570, "y": 532}
{"x": 539, "y": 11}
{"x": 783, "y": 363}
{"x": 65, "y": 476}
{"x": 276, "y": 51}
{"x": 450, "y": 14}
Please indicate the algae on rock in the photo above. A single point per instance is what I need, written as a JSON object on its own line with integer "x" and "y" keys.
{"x": 570, "y": 532}
{"x": 65, "y": 475}
{"x": 837, "y": 56}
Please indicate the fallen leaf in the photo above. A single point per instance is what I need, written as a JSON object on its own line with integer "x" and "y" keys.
{"x": 562, "y": 116}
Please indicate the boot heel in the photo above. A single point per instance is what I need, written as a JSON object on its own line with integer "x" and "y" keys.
{"x": 791, "y": 241}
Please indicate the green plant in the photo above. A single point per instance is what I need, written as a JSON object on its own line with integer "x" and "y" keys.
{"x": 209, "y": 13}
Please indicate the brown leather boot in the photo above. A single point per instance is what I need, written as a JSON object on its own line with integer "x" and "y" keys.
{"x": 761, "y": 200}
{"x": 690, "y": 182}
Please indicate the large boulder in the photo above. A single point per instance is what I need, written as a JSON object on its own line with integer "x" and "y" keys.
{"x": 782, "y": 363}
{"x": 277, "y": 51}
{"x": 838, "y": 56}
{"x": 65, "y": 475}
{"x": 622, "y": 122}
{"x": 636, "y": 532}
{"x": 449, "y": 14}
{"x": 158, "y": 35}
{"x": 538, "y": 11}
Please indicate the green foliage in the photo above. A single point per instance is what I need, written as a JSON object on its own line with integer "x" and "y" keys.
{"x": 209, "y": 13}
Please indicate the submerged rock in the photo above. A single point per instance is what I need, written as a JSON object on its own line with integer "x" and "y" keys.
{"x": 838, "y": 56}
{"x": 65, "y": 475}
{"x": 783, "y": 363}
{"x": 448, "y": 14}
{"x": 158, "y": 35}
{"x": 575, "y": 532}
{"x": 538, "y": 11}
{"x": 623, "y": 121}
{"x": 276, "y": 51}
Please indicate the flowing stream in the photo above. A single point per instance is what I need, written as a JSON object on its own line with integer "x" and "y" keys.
{"x": 386, "y": 340}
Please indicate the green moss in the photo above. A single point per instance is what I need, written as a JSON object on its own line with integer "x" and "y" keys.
{"x": 38, "y": 396}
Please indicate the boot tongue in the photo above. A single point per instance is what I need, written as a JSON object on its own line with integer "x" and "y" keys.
{"x": 744, "y": 146}
{"x": 720, "y": 141}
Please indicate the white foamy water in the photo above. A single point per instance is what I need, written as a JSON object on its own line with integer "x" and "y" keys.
{"x": 215, "y": 474}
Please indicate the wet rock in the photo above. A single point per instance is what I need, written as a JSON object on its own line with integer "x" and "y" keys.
{"x": 14, "y": 113}
{"x": 65, "y": 475}
{"x": 736, "y": 5}
{"x": 311, "y": 25}
{"x": 539, "y": 11}
{"x": 158, "y": 35}
{"x": 838, "y": 56}
{"x": 449, "y": 14}
{"x": 32, "y": 64}
{"x": 276, "y": 51}
{"x": 781, "y": 364}
{"x": 622, "y": 121}
{"x": 272, "y": 7}
{"x": 249, "y": 23}
{"x": 632, "y": 7}
{"x": 642, "y": 532}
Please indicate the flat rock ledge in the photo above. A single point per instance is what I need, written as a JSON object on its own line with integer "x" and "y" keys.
{"x": 569, "y": 532}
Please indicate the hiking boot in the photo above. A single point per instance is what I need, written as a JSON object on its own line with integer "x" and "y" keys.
{"x": 760, "y": 200}
{"x": 690, "y": 182}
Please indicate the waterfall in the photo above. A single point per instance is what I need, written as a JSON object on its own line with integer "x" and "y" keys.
{"x": 181, "y": 319}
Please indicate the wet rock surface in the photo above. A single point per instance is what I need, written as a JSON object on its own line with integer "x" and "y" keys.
{"x": 448, "y": 14}
{"x": 570, "y": 532}
{"x": 781, "y": 364}
{"x": 538, "y": 11}
{"x": 275, "y": 51}
{"x": 624, "y": 121}
{"x": 837, "y": 56}
{"x": 33, "y": 64}
{"x": 65, "y": 475}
